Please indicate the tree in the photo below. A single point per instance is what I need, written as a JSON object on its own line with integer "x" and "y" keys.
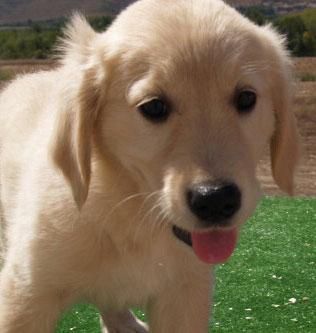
{"x": 294, "y": 28}
{"x": 255, "y": 14}
{"x": 100, "y": 23}
{"x": 309, "y": 43}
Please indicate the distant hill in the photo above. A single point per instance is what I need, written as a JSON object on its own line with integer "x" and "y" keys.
{"x": 17, "y": 11}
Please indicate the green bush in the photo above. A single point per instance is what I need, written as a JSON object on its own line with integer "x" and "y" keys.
{"x": 258, "y": 14}
{"x": 307, "y": 77}
{"x": 27, "y": 43}
{"x": 300, "y": 29}
{"x": 37, "y": 41}
{"x": 301, "y": 41}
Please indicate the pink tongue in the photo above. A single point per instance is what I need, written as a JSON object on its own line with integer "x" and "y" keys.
{"x": 214, "y": 247}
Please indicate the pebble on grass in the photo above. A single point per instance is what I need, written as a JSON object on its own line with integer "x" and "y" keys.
{"x": 292, "y": 300}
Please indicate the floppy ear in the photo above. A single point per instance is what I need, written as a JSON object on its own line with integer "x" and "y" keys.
{"x": 72, "y": 141}
{"x": 73, "y": 136}
{"x": 284, "y": 145}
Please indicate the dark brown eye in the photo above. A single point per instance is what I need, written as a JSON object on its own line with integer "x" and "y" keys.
{"x": 155, "y": 110}
{"x": 245, "y": 101}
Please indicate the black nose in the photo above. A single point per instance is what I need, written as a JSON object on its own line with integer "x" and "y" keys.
{"x": 214, "y": 203}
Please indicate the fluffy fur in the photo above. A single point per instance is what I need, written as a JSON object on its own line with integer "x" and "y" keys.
{"x": 90, "y": 188}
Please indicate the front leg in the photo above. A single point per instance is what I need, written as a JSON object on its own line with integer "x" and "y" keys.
{"x": 27, "y": 308}
{"x": 122, "y": 322}
{"x": 183, "y": 307}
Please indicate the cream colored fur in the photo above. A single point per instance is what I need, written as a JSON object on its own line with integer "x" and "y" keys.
{"x": 90, "y": 188}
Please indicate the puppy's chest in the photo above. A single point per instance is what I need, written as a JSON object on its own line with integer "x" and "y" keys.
{"x": 135, "y": 277}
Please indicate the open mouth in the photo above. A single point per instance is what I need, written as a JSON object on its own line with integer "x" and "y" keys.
{"x": 210, "y": 246}
{"x": 182, "y": 235}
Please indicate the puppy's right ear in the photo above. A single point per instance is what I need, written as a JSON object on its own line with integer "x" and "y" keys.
{"x": 77, "y": 110}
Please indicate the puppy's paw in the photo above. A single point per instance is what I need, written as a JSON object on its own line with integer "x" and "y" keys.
{"x": 122, "y": 322}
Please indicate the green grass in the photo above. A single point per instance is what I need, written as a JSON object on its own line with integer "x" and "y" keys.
{"x": 275, "y": 262}
{"x": 82, "y": 318}
{"x": 268, "y": 286}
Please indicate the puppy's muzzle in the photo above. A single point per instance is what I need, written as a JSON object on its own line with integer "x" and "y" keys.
{"x": 214, "y": 204}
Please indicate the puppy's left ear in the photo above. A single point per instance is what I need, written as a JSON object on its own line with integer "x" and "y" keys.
{"x": 78, "y": 109}
{"x": 285, "y": 143}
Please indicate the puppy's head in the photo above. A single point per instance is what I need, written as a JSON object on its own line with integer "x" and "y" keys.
{"x": 185, "y": 95}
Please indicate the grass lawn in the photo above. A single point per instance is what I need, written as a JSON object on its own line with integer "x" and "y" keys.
{"x": 268, "y": 286}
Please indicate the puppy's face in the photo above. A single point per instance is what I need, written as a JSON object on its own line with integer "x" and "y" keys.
{"x": 192, "y": 128}
{"x": 188, "y": 104}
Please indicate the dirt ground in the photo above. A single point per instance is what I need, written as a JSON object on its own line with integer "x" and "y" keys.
{"x": 305, "y": 110}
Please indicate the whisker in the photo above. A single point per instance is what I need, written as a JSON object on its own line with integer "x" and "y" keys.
{"x": 145, "y": 216}
{"x": 122, "y": 202}
{"x": 117, "y": 206}
{"x": 139, "y": 224}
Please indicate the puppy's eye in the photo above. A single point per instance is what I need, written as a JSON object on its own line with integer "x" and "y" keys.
{"x": 155, "y": 110}
{"x": 245, "y": 101}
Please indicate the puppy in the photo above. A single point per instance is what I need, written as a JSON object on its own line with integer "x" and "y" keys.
{"x": 127, "y": 172}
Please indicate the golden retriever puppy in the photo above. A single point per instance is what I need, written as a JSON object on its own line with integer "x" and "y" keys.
{"x": 127, "y": 172}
